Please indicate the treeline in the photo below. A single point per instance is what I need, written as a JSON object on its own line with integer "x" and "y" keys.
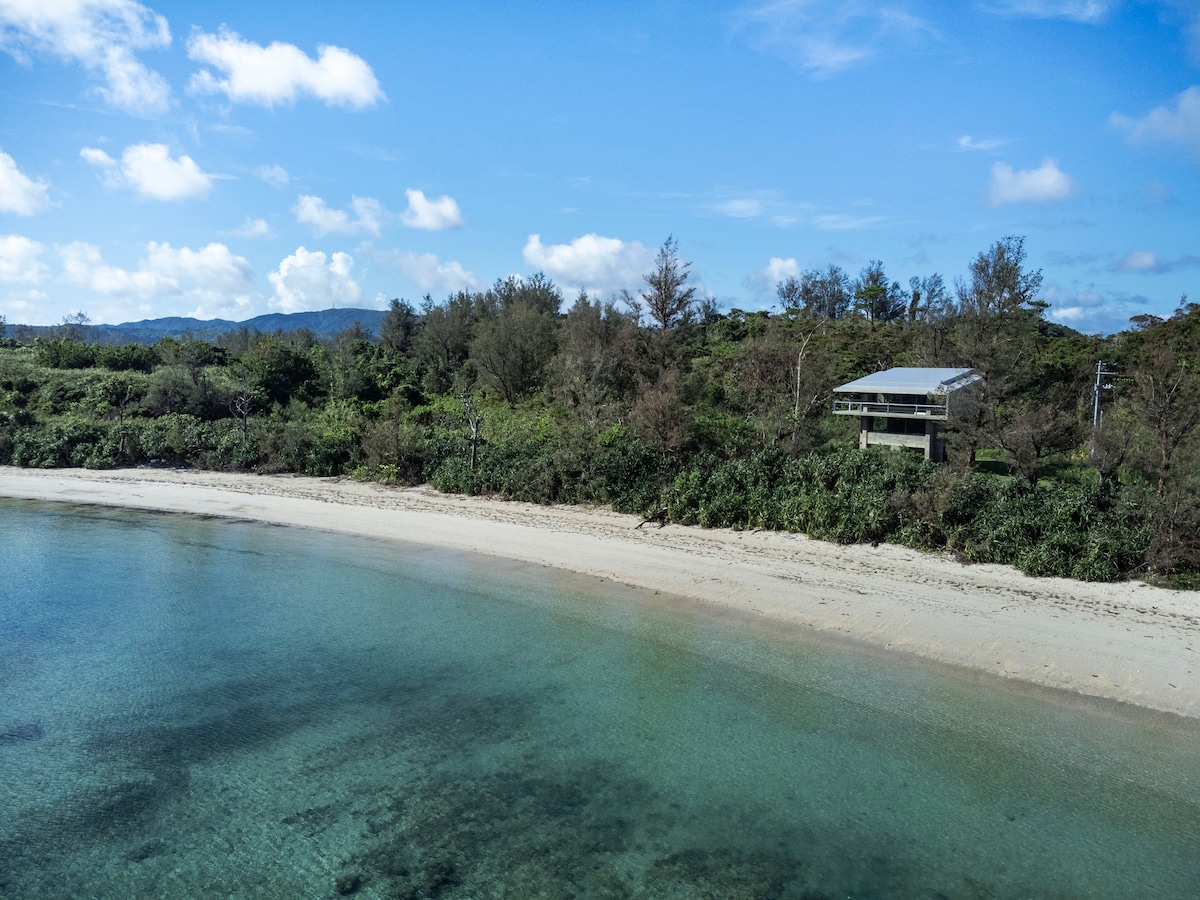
{"x": 660, "y": 404}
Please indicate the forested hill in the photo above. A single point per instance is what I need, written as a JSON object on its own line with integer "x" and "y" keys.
{"x": 325, "y": 323}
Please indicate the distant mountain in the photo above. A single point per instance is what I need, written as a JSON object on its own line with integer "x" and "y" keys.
{"x": 326, "y": 323}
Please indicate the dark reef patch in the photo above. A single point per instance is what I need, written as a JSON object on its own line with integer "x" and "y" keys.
{"x": 22, "y": 734}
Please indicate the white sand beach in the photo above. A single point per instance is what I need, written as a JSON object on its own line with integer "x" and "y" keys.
{"x": 1126, "y": 642}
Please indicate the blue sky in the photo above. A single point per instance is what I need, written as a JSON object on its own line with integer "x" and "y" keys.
{"x": 234, "y": 159}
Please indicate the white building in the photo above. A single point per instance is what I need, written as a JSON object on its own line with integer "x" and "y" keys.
{"x": 904, "y": 407}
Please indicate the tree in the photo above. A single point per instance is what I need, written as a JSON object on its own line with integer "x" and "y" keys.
{"x": 1035, "y": 430}
{"x": 512, "y": 349}
{"x": 587, "y": 375}
{"x": 445, "y": 338}
{"x": 876, "y": 299}
{"x": 929, "y": 300}
{"x": 474, "y": 422}
{"x": 999, "y": 285}
{"x": 246, "y": 396}
{"x": 279, "y": 370}
{"x": 789, "y": 293}
{"x": 399, "y": 326}
{"x": 537, "y": 290}
{"x": 117, "y": 392}
{"x": 996, "y": 329}
{"x": 74, "y": 326}
{"x": 1166, "y": 386}
{"x": 667, "y": 294}
{"x": 825, "y": 295}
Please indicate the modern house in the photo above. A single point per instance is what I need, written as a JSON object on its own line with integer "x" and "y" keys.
{"x": 905, "y": 407}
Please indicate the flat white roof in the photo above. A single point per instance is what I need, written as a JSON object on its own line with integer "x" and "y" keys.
{"x": 910, "y": 380}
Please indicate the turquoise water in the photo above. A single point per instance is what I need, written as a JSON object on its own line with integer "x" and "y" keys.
{"x": 195, "y": 708}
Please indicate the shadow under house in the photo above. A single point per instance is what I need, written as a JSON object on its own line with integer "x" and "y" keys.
{"x": 905, "y": 407}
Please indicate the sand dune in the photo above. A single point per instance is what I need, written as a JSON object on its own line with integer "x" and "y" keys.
{"x": 1126, "y": 642}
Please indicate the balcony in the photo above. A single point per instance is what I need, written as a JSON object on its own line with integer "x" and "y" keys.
{"x": 937, "y": 412}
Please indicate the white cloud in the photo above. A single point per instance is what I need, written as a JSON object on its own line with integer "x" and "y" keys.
{"x": 764, "y": 205}
{"x": 430, "y": 274}
{"x": 1149, "y": 262}
{"x": 1073, "y": 10}
{"x": 825, "y": 37}
{"x": 742, "y": 207}
{"x": 252, "y": 228}
{"x": 762, "y": 281}
{"x": 1139, "y": 261}
{"x": 20, "y": 260}
{"x": 205, "y": 282}
{"x": 431, "y": 215}
{"x": 1180, "y": 125}
{"x": 368, "y": 216}
{"x": 966, "y": 142}
{"x": 306, "y": 281}
{"x": 19, "y": 193}
{"x": 1093, "y": 311}
{"x": 1045, "y": 183}
{"x": 150, "y": 170}
{"x": 592, "y": 262}
{"x": 101, "y": 35}
{"x": 279, "y": 73}
{"x": 275, "y": 176}
{"x": 778, "y": 270}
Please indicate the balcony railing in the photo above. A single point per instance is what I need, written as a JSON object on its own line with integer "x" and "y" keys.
{"x": 891, "y": 410}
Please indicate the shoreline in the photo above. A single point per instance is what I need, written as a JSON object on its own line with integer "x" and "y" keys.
{"x": 1127, "y": 642}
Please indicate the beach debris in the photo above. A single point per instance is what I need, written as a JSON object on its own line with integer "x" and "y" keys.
{"x": 660, "y": 517}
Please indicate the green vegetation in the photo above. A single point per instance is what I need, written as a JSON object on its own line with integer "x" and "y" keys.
{"x": 720, "y": 420}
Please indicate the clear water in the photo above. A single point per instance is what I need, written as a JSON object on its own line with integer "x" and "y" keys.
{"x": 194, "y": 708}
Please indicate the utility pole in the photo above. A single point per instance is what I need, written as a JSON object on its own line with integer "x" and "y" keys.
{"x": 1097, "y": 412}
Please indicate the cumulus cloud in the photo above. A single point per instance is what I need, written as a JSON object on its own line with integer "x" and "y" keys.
{"x": 762, "y": 281}
{"x": 150, "y": 170}
{"x": 19, "y": 193}
{"x": 209, "y": 281}
{"x": 102, "y": 36}
{"x": 592, "y": 262}
{"x": 1045, "y": 183}
{"x": 431, "y": 215}
{"x": 1074, "y": 10}
{"x": 1179, "y": 126}
{"x": 1149, "y": 262}
{"x": 275, "y": 176}
{"x": 368, "y": 216}
{"x": 20, "y": 260}
{"x": 311, "y": 281}
{"x": 431, "y": 274}
{"x": 778, "y": 270}
{"x": 280, "y": 73}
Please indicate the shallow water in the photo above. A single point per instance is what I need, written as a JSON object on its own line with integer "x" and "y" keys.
{"x": 195, "y": 708}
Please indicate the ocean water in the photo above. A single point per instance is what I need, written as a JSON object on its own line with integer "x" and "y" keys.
{"x": 192, "y": 708}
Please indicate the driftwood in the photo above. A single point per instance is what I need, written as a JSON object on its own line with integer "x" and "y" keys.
{"x": 660, "y": 517}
